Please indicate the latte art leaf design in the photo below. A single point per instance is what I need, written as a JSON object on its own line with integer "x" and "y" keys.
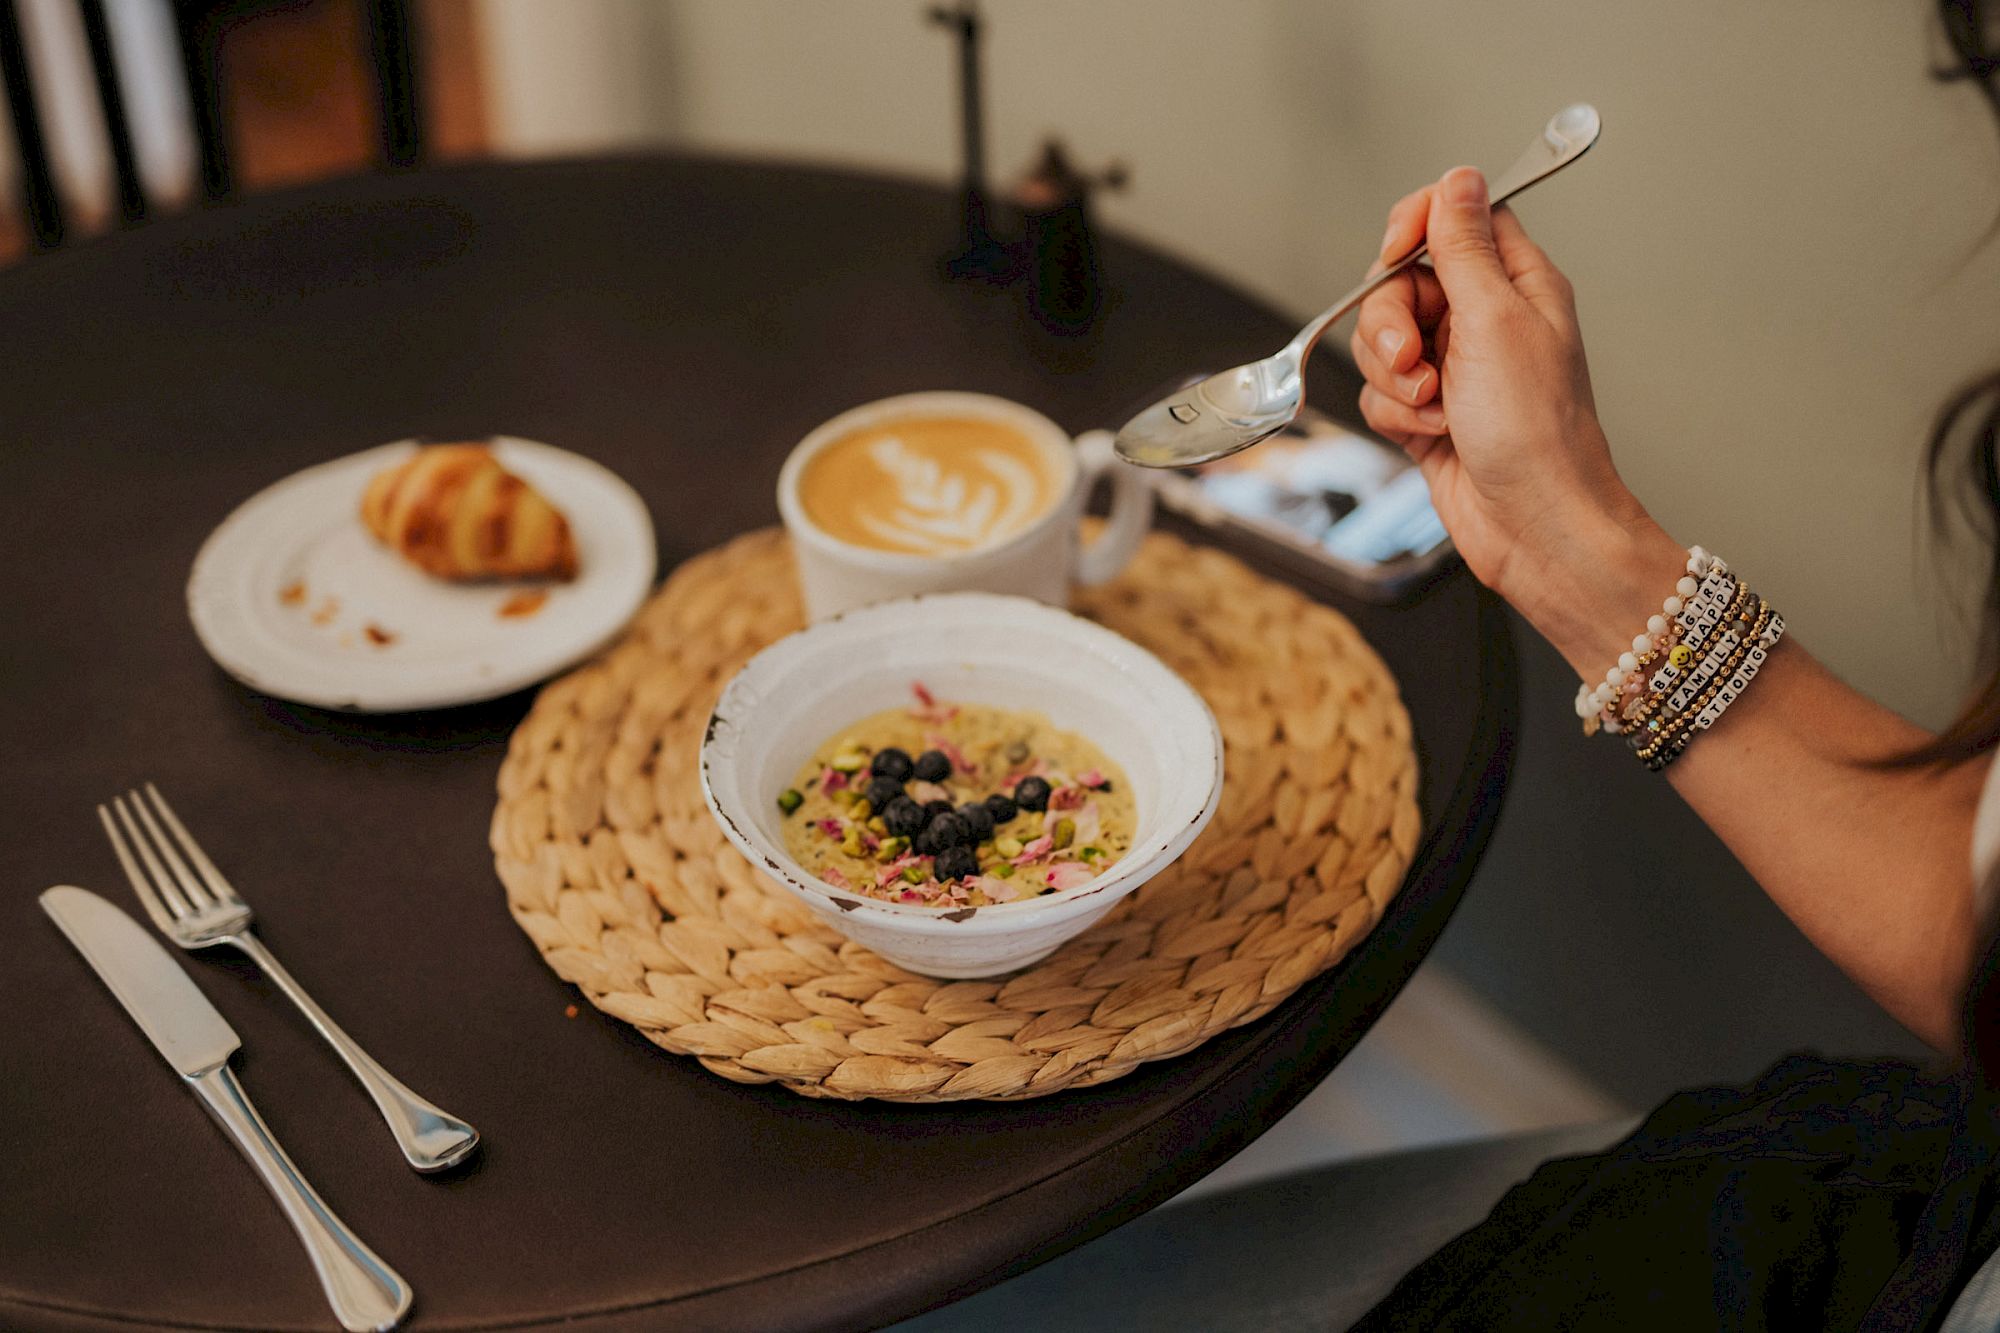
{"x": 930, "y": 509}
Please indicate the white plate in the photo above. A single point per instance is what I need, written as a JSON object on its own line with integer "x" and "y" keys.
{"x": 448, "y": 643}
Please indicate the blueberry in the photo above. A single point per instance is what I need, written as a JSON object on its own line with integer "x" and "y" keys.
{"x": 880, "y": 791}
{"x": 1032, "y": 794}
{"x": 904, "y": 817}
{"x": 932, "y": 809}
{"x": 955, "y": 863}
{"x": 1002, "y": 807}
{"x": 979, "y": 819}
{"x": 892, "y": 763}
{"x": 945, "y": 830}
{"x": 932, "y": 766}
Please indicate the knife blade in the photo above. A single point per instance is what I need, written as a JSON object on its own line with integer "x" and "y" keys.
{"x": 162, "y": 999}
{"x": 365, "y": 1293}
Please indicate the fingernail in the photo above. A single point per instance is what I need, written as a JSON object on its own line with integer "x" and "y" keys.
{"x": 1431, "y": 418}
{"x": 1413, "y": 385}
{"x": 1389, "y": 342}
{"x": 1465, "y": 186}
{"x": 1388, "y": 239}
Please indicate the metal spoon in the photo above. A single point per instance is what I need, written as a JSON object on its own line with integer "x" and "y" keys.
{"x": 1224, "y": 413}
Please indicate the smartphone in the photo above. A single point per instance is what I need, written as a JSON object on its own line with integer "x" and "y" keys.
{"x": 1326, "y": 500}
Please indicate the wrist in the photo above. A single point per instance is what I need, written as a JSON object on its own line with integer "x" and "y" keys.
{"x": 1594, "y": 586}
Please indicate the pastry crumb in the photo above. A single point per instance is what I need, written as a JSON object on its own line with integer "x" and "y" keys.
{"x": 328, "y": 609}
{"x": 378, "y": 636}
{"x": 524, "y": 603}
{"x": 293, "y": 594}
{"x": 571, "y": 1011}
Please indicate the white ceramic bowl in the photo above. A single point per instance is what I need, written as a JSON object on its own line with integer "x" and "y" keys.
{"x": 1007, "y": 652}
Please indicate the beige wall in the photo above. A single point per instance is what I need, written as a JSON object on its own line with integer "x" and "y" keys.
{"x": 1770, "y": 245}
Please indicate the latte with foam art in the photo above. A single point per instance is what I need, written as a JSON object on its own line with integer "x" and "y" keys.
{"x": 928, "y": 485}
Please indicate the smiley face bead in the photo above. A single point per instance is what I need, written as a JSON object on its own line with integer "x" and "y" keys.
{"x": 1681, "y": 655}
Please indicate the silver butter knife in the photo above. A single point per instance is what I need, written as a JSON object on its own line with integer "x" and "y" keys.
{"x": 366, "y": 1294}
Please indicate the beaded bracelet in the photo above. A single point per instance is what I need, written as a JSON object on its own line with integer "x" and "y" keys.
{"x": 1676, "y": 614}
{"x": 1686, "y": 637}
{"x": 1696, "y": 658}
{"x": 1747, "y": 652}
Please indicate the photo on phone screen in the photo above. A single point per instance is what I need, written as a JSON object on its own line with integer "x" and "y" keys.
{"x": 1329, "y": 499}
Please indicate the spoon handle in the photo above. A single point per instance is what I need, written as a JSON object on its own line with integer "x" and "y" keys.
{"x": 1301, "y": 347}
{"x": 1566, "y": 138}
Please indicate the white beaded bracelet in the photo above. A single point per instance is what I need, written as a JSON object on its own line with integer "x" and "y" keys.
{"x": 1693, "y": 597}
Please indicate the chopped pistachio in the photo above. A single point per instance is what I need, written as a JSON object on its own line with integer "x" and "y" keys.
{"x": 789, "y": 800}
{"x": 851, "y": 844}
{"x": 1002, "y": 871}
{"x": 1065, "y": 832}
{"x": 1091, "y": 853}
{"x": 1007, "y": 847}
{"x": 1017, "y": 751}
{"x": 846, "y": 796}
{"x": 863, "y": 809}
{"x": 848, "y": 761}
{"x": 878, "y": 825}
{"x": 892, "y": 848}
{"x": 914, "y": 874}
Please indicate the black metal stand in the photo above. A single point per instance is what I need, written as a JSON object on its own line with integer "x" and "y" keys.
{"x": 981, "y": 256}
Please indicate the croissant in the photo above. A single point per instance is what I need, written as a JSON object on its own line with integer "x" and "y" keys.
{"x": 454, "y": 512}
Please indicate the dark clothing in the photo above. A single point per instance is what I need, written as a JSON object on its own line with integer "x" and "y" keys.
{"x": 1825, "y": 1195}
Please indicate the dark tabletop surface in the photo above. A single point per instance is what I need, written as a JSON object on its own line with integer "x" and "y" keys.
{"x": 686, "y": 322}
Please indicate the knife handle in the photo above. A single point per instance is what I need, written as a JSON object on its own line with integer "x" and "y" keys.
{"x": 366, "y": 1294}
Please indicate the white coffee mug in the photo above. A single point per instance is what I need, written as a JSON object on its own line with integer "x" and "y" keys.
{"x": 1041, "y": 561}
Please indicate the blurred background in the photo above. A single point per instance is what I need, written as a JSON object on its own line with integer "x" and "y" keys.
{"x": 1777, "y": 249}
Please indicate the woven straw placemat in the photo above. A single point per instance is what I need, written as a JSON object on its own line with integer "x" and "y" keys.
{"x": 614, "y": 868}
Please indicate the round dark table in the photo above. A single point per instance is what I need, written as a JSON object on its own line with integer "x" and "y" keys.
{"x": 685, "y": 321}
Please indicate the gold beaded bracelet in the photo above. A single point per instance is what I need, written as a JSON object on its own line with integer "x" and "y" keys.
{"x": 1680, "y": 655}
{"x": 1717, "y": 668}
{"x": 1680, "y": 729}
{"x": 1695, "y": 659}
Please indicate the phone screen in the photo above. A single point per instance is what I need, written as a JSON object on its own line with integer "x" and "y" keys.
{"x": 1355, "y": 504}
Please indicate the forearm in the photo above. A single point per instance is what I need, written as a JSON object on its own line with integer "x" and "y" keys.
{"x": 1871, "y": 863}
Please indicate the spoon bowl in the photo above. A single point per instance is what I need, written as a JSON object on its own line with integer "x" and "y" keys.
{"x": 1230, "y": 411}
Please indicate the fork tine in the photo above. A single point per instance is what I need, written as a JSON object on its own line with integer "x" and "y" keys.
{"x": 210, "y": 876}
{"x": 164, "y": 909}
{"x": 196, "y": 892}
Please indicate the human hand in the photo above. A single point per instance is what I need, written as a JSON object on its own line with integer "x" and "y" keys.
{"x": 1476, "y": 368}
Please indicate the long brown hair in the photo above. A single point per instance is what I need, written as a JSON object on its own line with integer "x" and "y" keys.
{"x": 1962, "y": 463}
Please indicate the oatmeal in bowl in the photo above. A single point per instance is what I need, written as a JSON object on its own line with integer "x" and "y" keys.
{"x": 955, "y": 805}
{"x": 857, "y": 764}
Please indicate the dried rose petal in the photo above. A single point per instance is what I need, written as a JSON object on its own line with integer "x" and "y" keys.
{"x": 996, "y": 889}
{"x": 1069, "y": 875}
{"x": 1066, "y": 798}
{"x": 1035, "y": 850}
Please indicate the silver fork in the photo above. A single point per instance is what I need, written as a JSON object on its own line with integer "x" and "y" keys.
{"x": 196, "y": 908}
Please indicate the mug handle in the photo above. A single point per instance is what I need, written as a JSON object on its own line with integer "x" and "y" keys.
{"x": 1131, "y": 508}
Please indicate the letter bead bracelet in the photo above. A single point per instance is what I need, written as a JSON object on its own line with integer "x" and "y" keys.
{"x": 1696, "y": 658}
